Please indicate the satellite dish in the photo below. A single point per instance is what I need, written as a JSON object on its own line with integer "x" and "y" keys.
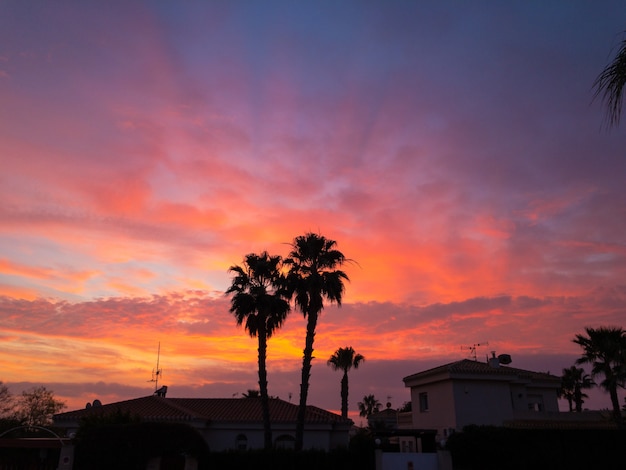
{"x": 97, "y": 402}
{"x": 505, "y": 359}
{"x": 88, "y": 405}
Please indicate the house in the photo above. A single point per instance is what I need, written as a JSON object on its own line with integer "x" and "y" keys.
{"x": 227, "y": 423}
{"x": 451, "y": 396}
{"x": 385, "y": 419}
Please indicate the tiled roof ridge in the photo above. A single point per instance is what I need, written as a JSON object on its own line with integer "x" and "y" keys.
{"x": 175, "y": 403}
{"x": 184, "y": 414}
{"x": 220, "y": 409}
{"x": 105, "y": 406}
{"x": 322, "y": 413}
{"x": 478, "y": 367}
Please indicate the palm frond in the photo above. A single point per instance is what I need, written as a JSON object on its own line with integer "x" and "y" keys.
{"x": 609, "y": 86}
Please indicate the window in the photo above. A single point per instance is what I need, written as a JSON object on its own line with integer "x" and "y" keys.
{"x": 285, "y": 441}
{"x": 241, "y": 443}
{"x": 423, "y": 398}
{"x": 535, "y": 403}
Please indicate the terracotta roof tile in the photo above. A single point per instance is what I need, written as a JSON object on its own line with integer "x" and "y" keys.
{"x": 467, "y": 366}
{"x": 205, "y": 409}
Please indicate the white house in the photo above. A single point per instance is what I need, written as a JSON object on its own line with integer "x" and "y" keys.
{"x": 227, "y": 423}
{"x": 454, "y": 395}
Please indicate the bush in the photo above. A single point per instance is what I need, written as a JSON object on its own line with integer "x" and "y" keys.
{"x": 339, "y": 459}
{"x": 494, "y": 448}
{"x": 132, "y": 445}
{"x": 122, "y": 443}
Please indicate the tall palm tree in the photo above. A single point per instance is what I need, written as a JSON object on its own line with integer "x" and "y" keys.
{"x": 345, "y": 359}
{"x": 312, "y": 278}
{"x": 261, "y": 303}
{"x": 573, "y": 382}
{"x": 609, "y": 85}
{"x": 368, "y": 406}
{"x": 605, "y": 349}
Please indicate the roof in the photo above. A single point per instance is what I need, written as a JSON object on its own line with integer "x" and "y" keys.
{"x": 231, "y": 410}
{"x": 469, "y": 367}
{"x": 386, "y": 412}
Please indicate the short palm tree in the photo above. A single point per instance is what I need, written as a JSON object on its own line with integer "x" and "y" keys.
{"x": 345, "y": 359}
{"x": 605, "y": 349}
{"x": 585, "y": 382}
{"x": 609, "y": 85}
{"x": 261, "y": 304}
{"x": 368, "y": 406}
{"x": 566, "y": 390}
{"x": 573, "y": 382}
{"x": 313, "y": 278}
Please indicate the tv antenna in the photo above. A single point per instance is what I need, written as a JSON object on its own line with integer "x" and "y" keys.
{"x": 473, "y": 347}
{"x": 156, "y": 373}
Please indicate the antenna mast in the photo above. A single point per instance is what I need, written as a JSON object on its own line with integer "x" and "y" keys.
{"x": 156, "y": 373}
{"x": 473, "y": 347}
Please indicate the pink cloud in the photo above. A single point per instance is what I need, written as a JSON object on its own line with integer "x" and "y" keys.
{"x": 200, "y": 342}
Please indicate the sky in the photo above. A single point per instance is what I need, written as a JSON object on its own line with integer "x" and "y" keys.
{"x": 452, "y": 149}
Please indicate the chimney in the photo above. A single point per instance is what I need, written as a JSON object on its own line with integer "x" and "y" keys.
{"x": 494, "y": 361}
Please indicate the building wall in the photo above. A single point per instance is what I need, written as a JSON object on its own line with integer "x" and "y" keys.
{"x": 456, "y": 403}
{"x": 441, "y": 409}
{"x": 225, "y": 436}
{"x": 315, "y": 437}
{"x": 531, "y": 397}
{"x": 519, "y": 398}
{"x": 339, "y": 438}
{"x": 549, "y": 397}
{"x": 482, "y": 402}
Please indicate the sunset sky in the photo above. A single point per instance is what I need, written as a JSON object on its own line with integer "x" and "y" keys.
{"x": 452, "y": 149}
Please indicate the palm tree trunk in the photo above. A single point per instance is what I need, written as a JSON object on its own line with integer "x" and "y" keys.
{"x": 265, "y": 405}
{"x": 344, "y": 394}
{"x": 617, "y": 414}
{"x": 578, "y": 399}
{"x": 306, "y": 374}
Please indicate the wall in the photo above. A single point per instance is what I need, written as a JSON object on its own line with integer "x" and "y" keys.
{"x": 315, "y": 436}
{"x": 482, "y": 402}
{"x": 441, "y": 411}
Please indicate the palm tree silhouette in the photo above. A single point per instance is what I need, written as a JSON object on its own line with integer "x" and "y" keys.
{"x": 573, "y": 382}
{"x": 368, "y": 406}
{"x": 260, "y": 302}
{"x": 609, "y": 86}
{"x": 311, "y": 279}
{"x": 345, "y": 359}
{"x": 605, "y": 349}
